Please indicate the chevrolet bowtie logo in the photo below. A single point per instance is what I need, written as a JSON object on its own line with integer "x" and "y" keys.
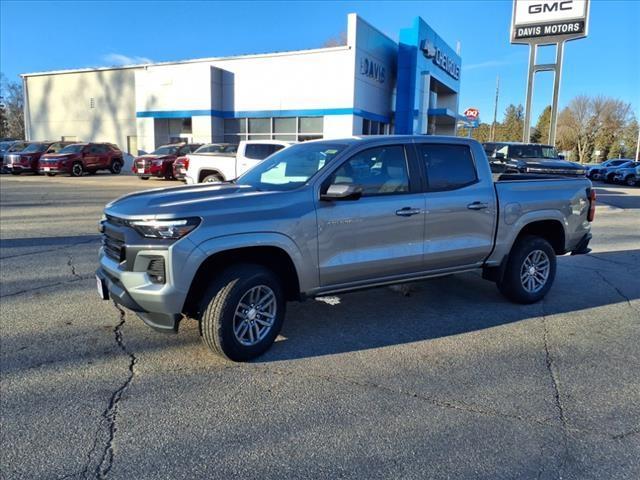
{"x": 428, "y": 48}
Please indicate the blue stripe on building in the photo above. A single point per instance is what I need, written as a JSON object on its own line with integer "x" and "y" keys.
{"x": 312, "y": 112}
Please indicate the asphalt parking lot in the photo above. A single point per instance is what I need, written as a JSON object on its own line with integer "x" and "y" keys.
{"x": 450, "y": 382}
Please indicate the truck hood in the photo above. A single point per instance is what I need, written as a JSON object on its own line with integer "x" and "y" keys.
{"x": 179, "y": 201}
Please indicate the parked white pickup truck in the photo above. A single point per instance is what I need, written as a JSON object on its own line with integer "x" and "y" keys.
{"x": 222, "y": 166}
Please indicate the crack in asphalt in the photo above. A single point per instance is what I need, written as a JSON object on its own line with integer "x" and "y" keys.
{"x": 608, "y": 282}
{"x": 110, "y": 414}
{"x": 606, "y": 260}
{"x": 51, "y": 249}
{"x": 49, "y": 285}
{"x": 556, "y": 392}
{"x": 71, "y": 265}
{"x": 447, "y": 404}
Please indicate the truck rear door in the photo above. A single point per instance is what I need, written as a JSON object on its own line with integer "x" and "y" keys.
{"x": 461, "y": 205}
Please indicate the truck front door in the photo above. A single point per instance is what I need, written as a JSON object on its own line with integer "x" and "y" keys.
{"x": 381, "y": 233}
{"x": 461, "y": 207}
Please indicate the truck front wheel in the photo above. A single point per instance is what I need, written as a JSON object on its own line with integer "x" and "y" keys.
{"x": 530, "y": 271}
{"x": 243, "y": 311}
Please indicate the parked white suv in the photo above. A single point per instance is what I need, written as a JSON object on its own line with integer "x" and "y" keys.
{"x": 222, "y": 166}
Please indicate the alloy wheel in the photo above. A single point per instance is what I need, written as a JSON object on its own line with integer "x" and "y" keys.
{"x": 534, "y": 272}
{"x": 255, "y": 315}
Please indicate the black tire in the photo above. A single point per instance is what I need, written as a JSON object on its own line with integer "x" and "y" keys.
{"x": 630, "y": 181}
{"x": 222, "y": 299}
{"x": 77, "y": 169}
{"x": 213, "y": 178}
{"x": 144, "y": 178}
{"x": 51, "y": 174}
{"x": 116, "y": 167}
{"x": 512, "y": 285}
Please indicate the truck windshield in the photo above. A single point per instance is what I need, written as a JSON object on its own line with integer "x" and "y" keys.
{"x": 530, "y": 151}
{"x": 291, "y": 167}
{"x": 77, "y": 148}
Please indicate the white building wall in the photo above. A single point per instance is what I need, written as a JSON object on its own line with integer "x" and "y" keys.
{"x": 92, "y": 106}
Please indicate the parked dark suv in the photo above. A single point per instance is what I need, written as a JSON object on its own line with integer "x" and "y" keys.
{"x": 78, "y": 158}
{"x": 7, "y": 147}
{"x": 516, "y": 157}
{"x": 159, "y": 163}
{"x": 27, "y": 160}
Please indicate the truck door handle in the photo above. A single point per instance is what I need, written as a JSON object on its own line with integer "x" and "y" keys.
{"x": 408, "y": 211}
{"x": 477, "y": 206}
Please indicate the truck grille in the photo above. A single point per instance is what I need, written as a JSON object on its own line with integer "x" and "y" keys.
{"x": 113, "y": 247}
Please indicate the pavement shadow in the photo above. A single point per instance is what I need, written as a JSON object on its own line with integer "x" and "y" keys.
{"x": 615, "y": 195}
{"x": 439, "y": 308}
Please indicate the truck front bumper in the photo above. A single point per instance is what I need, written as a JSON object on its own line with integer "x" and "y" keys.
{"x": 117, "y": 291}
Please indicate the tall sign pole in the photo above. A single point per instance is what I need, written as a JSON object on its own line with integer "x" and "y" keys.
{"x": 547, "y": 22}
{"x": 495, "y": 110}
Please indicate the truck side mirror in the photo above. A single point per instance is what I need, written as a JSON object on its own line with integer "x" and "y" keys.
{"x": 498, "y": 155}
{"x": 342, "y": 192}
{"x": 560, "y": 156}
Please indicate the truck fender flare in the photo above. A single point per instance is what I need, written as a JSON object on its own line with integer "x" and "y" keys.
{"x": 261, "y": 239}
{"x": 504, "y": 244}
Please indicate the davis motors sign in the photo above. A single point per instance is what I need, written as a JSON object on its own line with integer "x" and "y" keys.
{"x": 539, "y": 21}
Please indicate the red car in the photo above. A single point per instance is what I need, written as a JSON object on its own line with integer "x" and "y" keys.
{"x": 159, "y": 163}
{"x": 28, "y": 159}
{"x": 78, "y": 158}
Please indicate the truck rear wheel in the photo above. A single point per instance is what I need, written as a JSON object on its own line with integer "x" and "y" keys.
{"x": 243, "y": 311}
{"x": 213, "y": 178}
{"x": 530, "y": 271}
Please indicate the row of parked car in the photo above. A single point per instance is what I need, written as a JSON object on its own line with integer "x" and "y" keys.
{"x": 198, "y": 163}
{"x": 55, "y": 157}
{"x": 616, "y": 170}
{"x": 516, "y": 157}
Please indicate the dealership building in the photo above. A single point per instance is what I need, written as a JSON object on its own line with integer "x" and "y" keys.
{"x": 371, "y": 85}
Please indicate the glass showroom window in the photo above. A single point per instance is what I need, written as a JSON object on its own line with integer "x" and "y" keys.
{"x": 259, "y": 129}
{"x": 372, "y": 127}
{"x": 310, "y": 128}
{"x": 235, "y": 130}
{"x": 285, "y": 129}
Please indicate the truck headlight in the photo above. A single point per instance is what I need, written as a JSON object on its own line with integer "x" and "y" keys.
{"x": 165, "y": 229}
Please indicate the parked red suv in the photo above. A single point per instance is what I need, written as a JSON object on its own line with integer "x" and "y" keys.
{"x": 27, "y": 160}
{"x": 78, "y": 158}
{"x": 159, "y": 163}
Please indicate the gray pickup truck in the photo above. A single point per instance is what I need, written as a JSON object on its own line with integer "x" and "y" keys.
{"x": 334, "y": 216}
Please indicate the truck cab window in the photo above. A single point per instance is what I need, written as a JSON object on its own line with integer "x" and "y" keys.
{"x": 448, "y": 166}
{"x": 379, "y": 171}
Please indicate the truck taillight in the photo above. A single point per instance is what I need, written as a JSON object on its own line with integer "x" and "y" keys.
{"x": 185, "y": 163}
{"x": 592, "y": 204}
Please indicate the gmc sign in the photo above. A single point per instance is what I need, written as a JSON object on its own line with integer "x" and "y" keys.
{"x": 563, "y": 19}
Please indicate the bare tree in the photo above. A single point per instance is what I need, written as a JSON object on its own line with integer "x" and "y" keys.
{"x": 337, "y": 41}
{"x": 575, "y": 127}
{"x": 12, "y": 105}
{"x": 587, "y": 124}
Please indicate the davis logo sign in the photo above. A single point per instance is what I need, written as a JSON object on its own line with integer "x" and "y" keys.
{"x": 548, "y": 20}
